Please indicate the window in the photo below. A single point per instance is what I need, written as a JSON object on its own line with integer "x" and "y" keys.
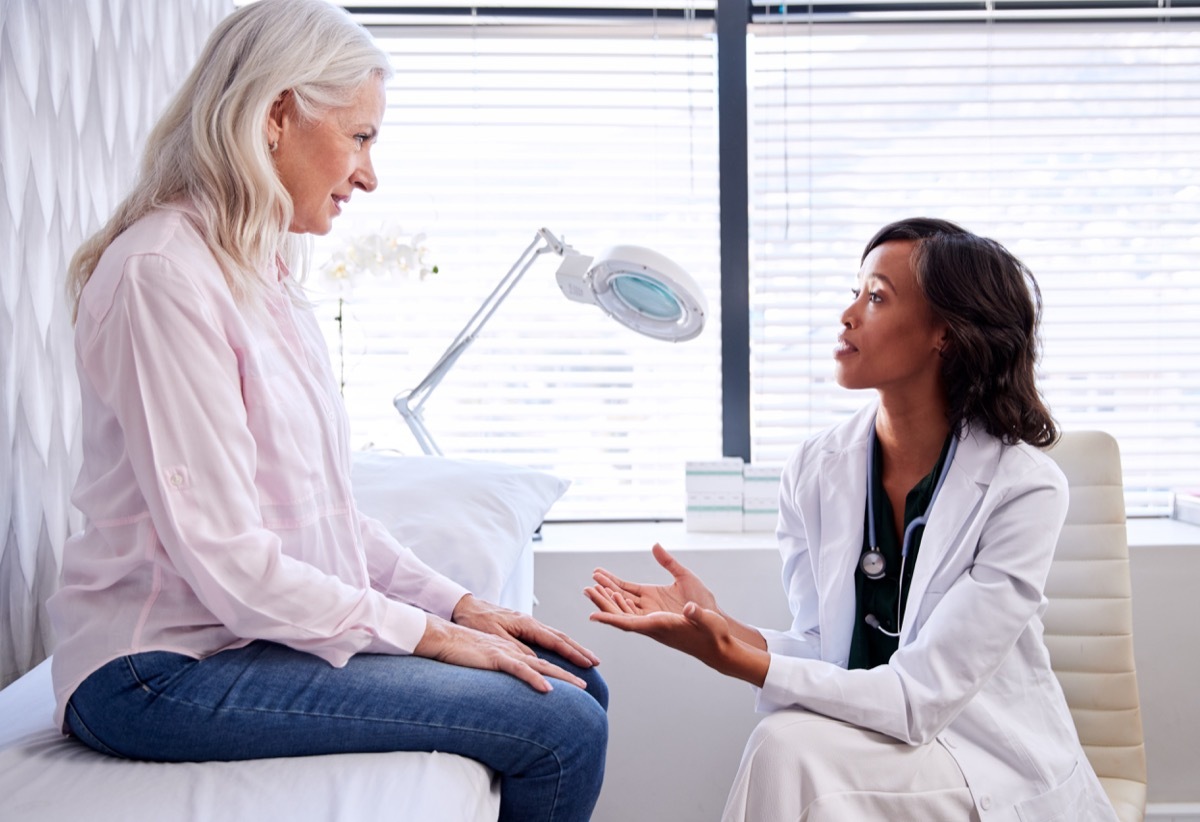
{"x": 602, "y": 130}
{"x": 1068, "y": 133}
{"x": 1073, "y": 144}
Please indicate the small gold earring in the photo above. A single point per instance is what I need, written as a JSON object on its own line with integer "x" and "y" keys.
{"x": 272, "y": 146}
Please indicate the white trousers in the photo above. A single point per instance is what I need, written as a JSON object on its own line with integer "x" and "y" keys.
{"x": 803, "y": 767}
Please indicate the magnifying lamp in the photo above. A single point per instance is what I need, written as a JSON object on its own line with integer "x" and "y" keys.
{"x": 637, "y": 287}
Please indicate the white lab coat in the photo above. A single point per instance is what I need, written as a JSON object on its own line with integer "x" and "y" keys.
{"x": 972, "y": 672}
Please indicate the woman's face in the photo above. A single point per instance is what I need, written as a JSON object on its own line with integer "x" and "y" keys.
{"x": 890, "y": 337}
{"x": 321, "y": 163}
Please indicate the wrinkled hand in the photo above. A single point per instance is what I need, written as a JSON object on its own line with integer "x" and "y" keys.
{"x": 636, "y": 598}
{"x": 458, "y": 645}
{"x": 522, "y": 629}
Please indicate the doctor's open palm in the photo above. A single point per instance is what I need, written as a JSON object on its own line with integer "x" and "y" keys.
{"x": 642, "y": 599}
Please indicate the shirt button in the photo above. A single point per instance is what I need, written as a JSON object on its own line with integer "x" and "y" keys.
{"x": 177, "y": 479}
{"x": 985, "y": 802}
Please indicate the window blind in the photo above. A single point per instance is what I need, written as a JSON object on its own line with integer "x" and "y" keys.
{"x": 1073, "y": 144}
{"x": 605, "y": 133}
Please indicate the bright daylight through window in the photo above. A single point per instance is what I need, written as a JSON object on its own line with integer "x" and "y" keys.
{"x": 604, "y": 133}
{"x": 1074, "y": 144}
{"x": 1071, "y": 141}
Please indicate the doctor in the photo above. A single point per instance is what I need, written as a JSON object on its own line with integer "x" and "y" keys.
{"x": 916, "y": 538}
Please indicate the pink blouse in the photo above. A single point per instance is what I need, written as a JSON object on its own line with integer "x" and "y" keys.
{"x": 216, "y": 477}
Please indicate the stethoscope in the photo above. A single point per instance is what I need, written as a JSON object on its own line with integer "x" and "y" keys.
{"x": 873, "y": 563}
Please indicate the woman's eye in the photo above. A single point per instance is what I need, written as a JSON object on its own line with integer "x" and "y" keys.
{"x": 856, "y": 292}
{"x": 875, "y": 297}
{"x": 360, "y": 139}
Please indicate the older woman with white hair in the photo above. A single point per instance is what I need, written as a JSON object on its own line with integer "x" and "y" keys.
{"x": 225, "y": 599}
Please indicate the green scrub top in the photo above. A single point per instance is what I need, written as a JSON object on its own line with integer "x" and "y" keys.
{"x": 869, "y": 646}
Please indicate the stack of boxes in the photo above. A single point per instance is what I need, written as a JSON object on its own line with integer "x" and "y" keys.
{"x": 760, "y": 497}
{"x": 728, "y": 495}
{"x": 714, "y": 495}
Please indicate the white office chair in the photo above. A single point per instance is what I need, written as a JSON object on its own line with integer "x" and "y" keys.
{"x": 1089, "y": 621}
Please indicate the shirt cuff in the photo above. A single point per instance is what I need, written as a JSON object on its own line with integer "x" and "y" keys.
{"x": 441, "y": 595}
{"x": 400, "y": 630}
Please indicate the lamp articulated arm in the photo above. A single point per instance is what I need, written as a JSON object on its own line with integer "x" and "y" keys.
{"x": 639, "y": 288}
{"x": 410, "y": 403}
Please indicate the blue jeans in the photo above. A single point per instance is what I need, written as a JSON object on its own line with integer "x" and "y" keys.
{"x": 267, "y": 700}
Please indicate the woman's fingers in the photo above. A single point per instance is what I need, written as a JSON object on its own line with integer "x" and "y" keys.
{"x": 602, "y": 598}
{"x": 608, "y": 599}
{"x": 616, "y": 619}
{"x": 611, "y": 580}
{"x": 554, "y": 640}
{"x": 672, "y": 566}
{"x": 548, "y": 668}
{"x": 530, "y": 669}
{"x": 535, "y": 671}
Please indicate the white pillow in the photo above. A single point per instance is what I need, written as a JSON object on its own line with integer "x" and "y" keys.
{"x": 468, "y": 519}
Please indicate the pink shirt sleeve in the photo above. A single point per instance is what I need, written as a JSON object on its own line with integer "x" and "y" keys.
{"x": 161, "y": 360}
{"x": 398, "y": 572}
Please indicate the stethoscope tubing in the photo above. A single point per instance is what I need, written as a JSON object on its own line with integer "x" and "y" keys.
{"x": 874, "y": 558}
{"x": 917, "y": 521}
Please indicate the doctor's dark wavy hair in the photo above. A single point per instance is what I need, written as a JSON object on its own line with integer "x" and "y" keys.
{"x": 992, "y": 306}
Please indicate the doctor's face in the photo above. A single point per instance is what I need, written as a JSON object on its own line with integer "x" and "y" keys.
{"x": 890, "y": 336}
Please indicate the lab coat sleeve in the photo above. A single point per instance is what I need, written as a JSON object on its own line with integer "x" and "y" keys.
{"x": 803, "y": 638}
{"x": 160, "y": 359}
{"x": 965, "y": 633}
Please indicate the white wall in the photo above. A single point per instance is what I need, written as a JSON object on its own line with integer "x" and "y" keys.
{"x": 81, "y": 84}
{"x": 677, "y": 728}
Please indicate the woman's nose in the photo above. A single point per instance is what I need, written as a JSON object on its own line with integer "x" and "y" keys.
{"x": 848, "y": 316}
{"x": 364, "y": 177}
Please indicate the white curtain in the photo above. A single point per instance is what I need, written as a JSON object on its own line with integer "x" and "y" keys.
{"x": 81, "y": 84}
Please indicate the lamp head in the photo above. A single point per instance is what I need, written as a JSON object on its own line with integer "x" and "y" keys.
{"x": 637, "y": 287}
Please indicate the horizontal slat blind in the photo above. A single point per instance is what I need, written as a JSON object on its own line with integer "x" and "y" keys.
{"x": 491, "y": 134}
{"x": 930, "y": 11}
{"x": 1075, "y": 145}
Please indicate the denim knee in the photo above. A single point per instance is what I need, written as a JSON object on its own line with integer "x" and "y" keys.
{"x": 585, "y": 722}
{"x": 597, "y": 688}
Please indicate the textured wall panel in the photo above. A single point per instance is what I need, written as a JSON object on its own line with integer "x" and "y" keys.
{"x": 81, "y": 83}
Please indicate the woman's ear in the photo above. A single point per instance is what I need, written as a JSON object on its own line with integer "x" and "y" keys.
{"x": 943, "y": 341}
{"x": 276, "y": 117}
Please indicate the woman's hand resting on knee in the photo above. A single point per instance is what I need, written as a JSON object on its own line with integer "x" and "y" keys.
{"x": 482, "y": 635}
{"x": 489, "y": 618}
{"x": 460, "y": 645}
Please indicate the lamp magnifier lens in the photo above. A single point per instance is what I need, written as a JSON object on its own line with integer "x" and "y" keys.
{"x": 646, "y": 297}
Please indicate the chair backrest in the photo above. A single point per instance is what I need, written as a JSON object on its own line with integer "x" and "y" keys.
{"x": 1089, "y": 621}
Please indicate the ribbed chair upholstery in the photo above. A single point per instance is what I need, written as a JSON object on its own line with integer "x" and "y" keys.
{"x": 1089, "y": 621}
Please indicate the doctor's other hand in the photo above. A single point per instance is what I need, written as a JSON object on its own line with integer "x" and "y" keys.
{"x": 637, "y": 598}
{"x": 700, "y": 632}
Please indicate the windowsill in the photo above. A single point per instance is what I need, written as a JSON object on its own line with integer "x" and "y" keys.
{"x": 579, "y": 537}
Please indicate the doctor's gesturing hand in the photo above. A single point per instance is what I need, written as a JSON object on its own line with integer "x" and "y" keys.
{"x": 683, "y": 615}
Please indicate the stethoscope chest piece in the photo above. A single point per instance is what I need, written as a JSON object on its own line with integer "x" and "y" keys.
{"x": 873, "y": 564}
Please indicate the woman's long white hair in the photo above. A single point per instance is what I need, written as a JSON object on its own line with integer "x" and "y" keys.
{"x": 210, "y": 146}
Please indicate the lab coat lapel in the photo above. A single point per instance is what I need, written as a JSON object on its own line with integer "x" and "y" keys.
{"x": 843, "y": 498}
{"x": 961, "y": 494}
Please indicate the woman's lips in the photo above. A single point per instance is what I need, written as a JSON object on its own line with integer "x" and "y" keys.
{"x": 844, "y": 348}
